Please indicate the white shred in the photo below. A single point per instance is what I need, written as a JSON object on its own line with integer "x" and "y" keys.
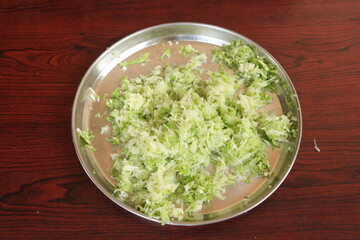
{"x": 170, "y": 43}
{"x": 115, "y": 54}
{"x": 115, "y": 156}
{"x": 105, "y": 130}
{"x": 92, "y": 96}
{"x": 315, "y": 146}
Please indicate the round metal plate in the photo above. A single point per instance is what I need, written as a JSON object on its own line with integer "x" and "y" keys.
{"x": 195, "y": 32}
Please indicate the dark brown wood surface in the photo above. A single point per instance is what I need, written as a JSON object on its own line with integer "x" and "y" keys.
{"x": 47, "y": 46}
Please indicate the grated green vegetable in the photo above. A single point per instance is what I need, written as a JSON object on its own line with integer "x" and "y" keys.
{"x": 247, "y": 64}
{"x": 172, "y": 126}
{"x": 187, "y": 50}
{"x": 140, "y": 60}
{"x": 167, "y": 54}
{"x": 100, "y": 115}
{"x": 85, "y": 138}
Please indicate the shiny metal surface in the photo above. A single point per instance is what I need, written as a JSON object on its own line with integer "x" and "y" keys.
{"x": 184, "y": 32}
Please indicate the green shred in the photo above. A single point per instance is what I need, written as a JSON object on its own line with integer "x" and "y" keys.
{"x": 85, "y": 138}
{"x": 167, "y": 54}
{"x": 172, "y": 127}
{"x": 100, "y": 115}
{"x": 247, "y": 64}
{"x": 187, "y": 50}
{"x": 276, "y": 128}
{"x": 140, "y": 60}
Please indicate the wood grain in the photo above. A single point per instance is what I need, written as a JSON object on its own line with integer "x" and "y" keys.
{"x": 47, "y": 46}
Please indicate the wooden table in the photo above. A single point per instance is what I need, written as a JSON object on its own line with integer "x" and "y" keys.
{"x": 47, "y": 46}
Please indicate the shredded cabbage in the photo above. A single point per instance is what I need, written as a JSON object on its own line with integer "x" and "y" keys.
{"x": 172, "y": 126}
{"x": 140, "y": 60}
{"x": 167, "y": 54}
{"x": 85, "y": 138}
